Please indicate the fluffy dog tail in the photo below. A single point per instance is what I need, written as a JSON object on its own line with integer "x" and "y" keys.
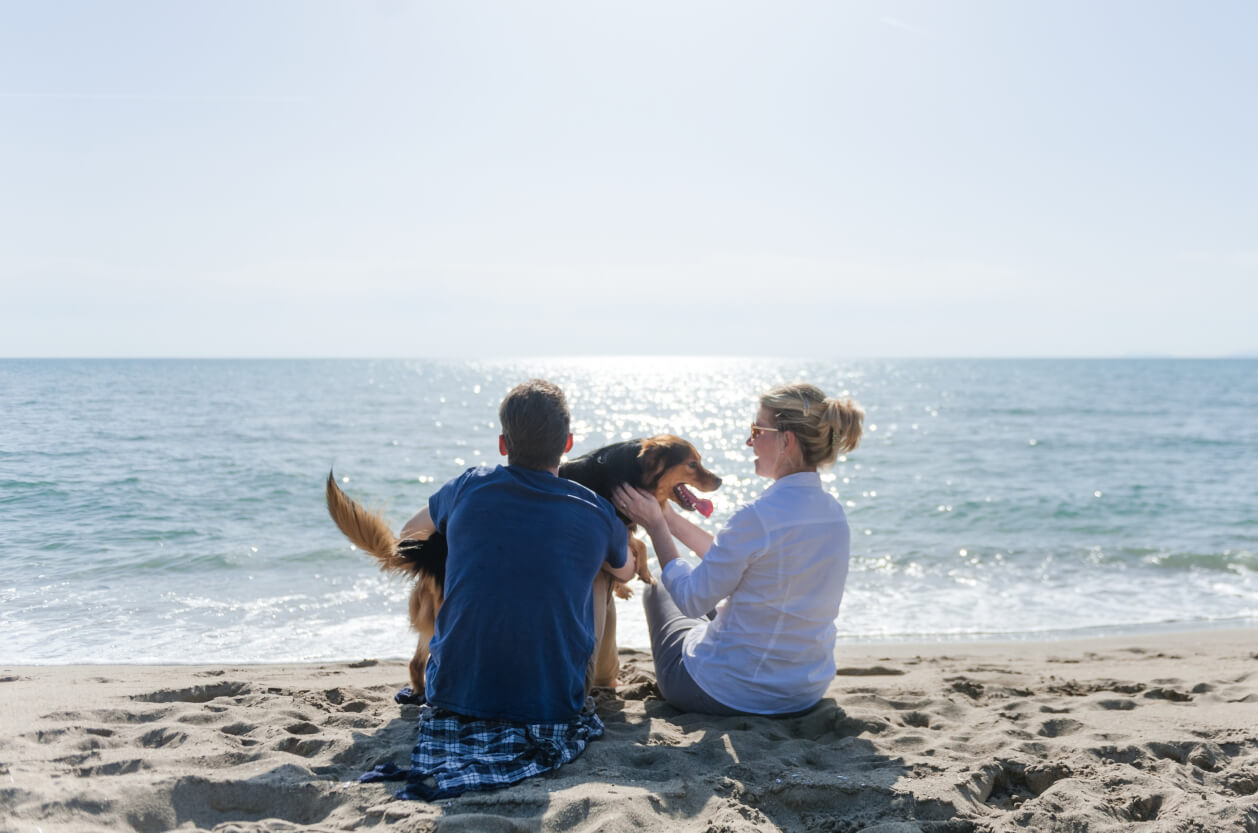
{"x": 368, "y": 531}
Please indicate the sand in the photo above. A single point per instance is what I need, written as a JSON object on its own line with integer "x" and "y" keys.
{"x": 1149, "y": 733}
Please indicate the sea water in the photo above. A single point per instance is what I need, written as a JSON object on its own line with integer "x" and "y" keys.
{"x": 172, "y": 511}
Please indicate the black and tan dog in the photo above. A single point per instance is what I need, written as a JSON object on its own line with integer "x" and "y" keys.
{"x": 663, "y": 465}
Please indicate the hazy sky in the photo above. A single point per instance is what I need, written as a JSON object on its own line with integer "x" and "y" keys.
{"x": 821, "y": 179}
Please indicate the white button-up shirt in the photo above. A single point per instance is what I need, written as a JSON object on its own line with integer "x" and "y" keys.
{"x": 780, "y": 565}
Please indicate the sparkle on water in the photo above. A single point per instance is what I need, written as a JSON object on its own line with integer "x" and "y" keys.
{"x": 200, "y": 484}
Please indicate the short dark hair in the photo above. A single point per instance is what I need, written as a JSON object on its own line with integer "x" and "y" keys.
{"x": 534, "y": 417}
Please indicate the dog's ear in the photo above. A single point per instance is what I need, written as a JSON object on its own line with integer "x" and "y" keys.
{"x": 659, "y": 454}
{"x": 652, "y": 459}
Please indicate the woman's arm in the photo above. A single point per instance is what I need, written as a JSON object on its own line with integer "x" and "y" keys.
{"x": 695, "y": 537}
{"x": 697, "y": 590}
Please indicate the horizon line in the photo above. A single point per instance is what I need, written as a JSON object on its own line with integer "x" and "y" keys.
{"x": 652, "y": 356}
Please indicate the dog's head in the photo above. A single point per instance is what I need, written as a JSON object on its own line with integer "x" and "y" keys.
{"x": 669, "y": 465}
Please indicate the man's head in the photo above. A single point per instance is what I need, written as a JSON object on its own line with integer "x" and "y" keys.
{"x": 534, "y": 417}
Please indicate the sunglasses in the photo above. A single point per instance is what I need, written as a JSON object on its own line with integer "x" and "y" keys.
{"x": 757, "y": 430}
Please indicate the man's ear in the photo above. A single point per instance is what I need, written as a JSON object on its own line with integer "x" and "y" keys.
{"x": 567, "y": 446}
{"x": 502, "y": 445}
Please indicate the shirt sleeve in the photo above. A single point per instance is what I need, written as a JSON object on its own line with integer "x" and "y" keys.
{"x": 618, "y": 549}
{"x": 696, "y": 590}
{"x": 441, "y": 503}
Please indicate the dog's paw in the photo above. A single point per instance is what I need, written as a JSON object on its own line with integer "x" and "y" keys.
{"x": 622, "y": 590}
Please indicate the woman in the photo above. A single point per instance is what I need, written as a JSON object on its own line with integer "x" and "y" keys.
{"x": 776, "y": 569}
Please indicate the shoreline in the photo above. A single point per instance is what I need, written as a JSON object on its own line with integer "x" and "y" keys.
{"x": 1058, "y": 635}
{"x": 1176, "y": 632}
{"x": 1098, "y": 733}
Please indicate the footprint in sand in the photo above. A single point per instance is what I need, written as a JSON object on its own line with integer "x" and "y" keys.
{"x": 161, "y": 738}
{"x": 90, "y": 737}
{"x": 238, "y": 729}
{"x": 302, "y": 728}
{"x": 1008, "y": 783}
{"x": 873, "y": 671}
{"x": 918, "y": 720}
{"x": 116, "y": 716}
{"x": 1058, "y": 727}
{"x": 650, "y": 756}
{"x": 199, "y": 718}
{"x": 1116, "y": 705}
{"x": 1051, "y": 710}
{"x": 305, "y": 748}
{"x": 115, "y": 768}
{"x": 970, "y": 688}
{"x": 194, "y": 694}
{"x": 1242, "y": 783}
{"x": 342, "y": 699}
{"x": 1144, "y": 808}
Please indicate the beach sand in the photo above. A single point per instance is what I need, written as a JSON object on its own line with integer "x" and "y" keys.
{"x": 1148, "y": 733}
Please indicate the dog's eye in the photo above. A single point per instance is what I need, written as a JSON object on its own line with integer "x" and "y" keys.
{"x": 694, "y": 465}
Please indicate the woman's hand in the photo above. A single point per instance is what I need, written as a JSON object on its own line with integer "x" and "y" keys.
{"x": 638, "y": 505}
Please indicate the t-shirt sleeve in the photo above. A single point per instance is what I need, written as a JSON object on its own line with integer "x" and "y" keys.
{"x": 696, "y": 590}
{"x": 617, "y": 550}
{"x": 441, "y": 504}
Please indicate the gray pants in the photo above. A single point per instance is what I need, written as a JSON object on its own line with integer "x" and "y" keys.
{"x": 668, "y": 627}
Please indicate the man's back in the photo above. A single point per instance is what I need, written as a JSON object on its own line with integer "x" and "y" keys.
{"x": 515, "y": 633}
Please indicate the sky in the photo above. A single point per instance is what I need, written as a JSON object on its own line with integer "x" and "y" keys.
{"x": 470, "y": 179}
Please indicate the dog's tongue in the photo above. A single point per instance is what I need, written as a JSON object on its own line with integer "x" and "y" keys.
{"x": 703, "y": 507}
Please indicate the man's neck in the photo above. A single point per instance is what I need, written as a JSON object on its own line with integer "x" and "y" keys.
{"x": 553, "y": 469}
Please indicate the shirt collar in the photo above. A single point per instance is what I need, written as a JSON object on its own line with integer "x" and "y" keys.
{"x": 522, "y": 471}
{"x": 799, "y": 479}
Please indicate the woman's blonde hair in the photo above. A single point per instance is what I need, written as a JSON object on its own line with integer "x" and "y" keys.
{"x": 824, "y": 427}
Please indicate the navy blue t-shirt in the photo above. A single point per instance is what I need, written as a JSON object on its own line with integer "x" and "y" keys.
{"x": 516, "y": 631}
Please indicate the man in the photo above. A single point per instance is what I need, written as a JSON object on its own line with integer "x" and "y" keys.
{"x": 515, "y": 634}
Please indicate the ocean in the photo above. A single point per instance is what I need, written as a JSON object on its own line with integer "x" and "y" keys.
{"x": 171, "y": 511}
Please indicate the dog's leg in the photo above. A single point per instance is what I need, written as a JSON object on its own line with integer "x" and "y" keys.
{"x": 637, "y": 551}
{"x": 425, "y": 601}
{"x": 642, "y": 566}
{"x": 418, "y": 663}
{"x": 604, "y": 666}
{"x": 622, "y": 590}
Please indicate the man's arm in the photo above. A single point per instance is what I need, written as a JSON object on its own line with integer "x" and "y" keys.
{"x": 419, "y": 527}
{"x": 622, "y": 573}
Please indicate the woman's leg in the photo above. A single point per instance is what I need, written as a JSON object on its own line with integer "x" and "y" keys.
{"x": 668, "y": 627}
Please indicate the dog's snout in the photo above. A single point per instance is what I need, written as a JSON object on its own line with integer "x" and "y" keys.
{"x": 716, "y": 482}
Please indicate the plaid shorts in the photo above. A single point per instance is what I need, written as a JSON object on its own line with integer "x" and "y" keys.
{"x": 454, "y": 754}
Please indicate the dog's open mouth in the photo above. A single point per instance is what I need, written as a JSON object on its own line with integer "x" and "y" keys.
{"x": 687, "y": 500}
